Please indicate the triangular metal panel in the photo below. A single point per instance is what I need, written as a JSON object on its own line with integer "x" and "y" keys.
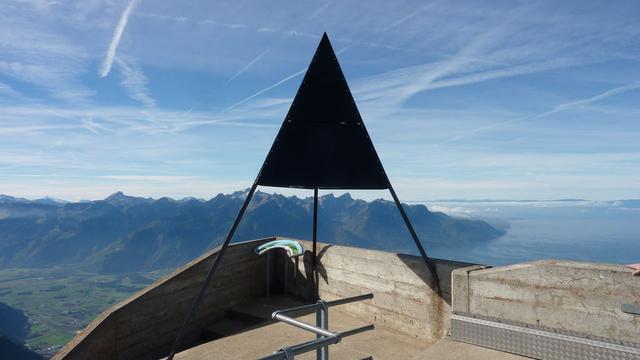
{"x": 323, "y": 142}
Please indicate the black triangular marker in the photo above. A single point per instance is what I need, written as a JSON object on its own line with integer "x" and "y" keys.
{"x": 323, "y": 142}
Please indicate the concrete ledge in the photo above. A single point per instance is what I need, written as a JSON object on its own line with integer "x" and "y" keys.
{"x": 460, "y": 287}
{"x": 144, "y": 325}
{"x": 577, "y": 297}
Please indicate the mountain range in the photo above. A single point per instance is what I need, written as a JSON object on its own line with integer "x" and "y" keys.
{"x": 124, "y": 233}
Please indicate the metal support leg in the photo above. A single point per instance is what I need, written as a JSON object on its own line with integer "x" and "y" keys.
{"x": 212, "y": 271}
{"x": 268, "y": 274}
{"x": 286, "y": 275}
{"x": 295, "y": 279}
{"x": 314, "y": 272}
{"x": 431, "y": 266}
{"x": 322, "y": 321}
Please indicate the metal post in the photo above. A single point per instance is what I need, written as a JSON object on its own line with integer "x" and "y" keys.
{"x": 315, "y": 240}
{"x": 430, "y": 265}
{"x": 319, "y": 323}
{"x": 322, "y": 321}
{"x": 212, "y": 270}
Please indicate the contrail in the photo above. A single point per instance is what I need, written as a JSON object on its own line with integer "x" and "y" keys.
{"x": 555, "y": 109}
{"x": 117, "y": 35}
{"x": 265, "y": 90}
{"x": 240, "y": 72}
{"x": 276, "y": 84}
{"x": 255, "y": 60}
{"x": 412, "y": 14}
{"x": 601, "y": 96}
{"x": 262, "y": 54}
{"x": 319, "y": 11}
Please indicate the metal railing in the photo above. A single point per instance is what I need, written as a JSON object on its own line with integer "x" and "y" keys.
{"x": 324, "y": 337}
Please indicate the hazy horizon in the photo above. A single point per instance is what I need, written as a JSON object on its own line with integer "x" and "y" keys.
{"x": 356, "y": 194}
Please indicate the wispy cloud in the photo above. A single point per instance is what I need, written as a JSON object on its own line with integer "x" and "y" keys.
{"x": 32, "y": 129}
{"x": 158, "y": 178}
{"x": 135, "y": 82}
{"x": 94, "y": 126}
{"x": 56, "y": 78}
{"x": 8, "y": 90}
{"x": 115, "y": 39}
{"x": 34, "y": 56}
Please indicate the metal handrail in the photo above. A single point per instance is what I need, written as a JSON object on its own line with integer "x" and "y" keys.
{"x": 318, "y": 305}
{"x": 350, "y": 299}
{"x": 303, "y": 325}
{"x": 324, "y": 337}
{"x": 314, "y": 344}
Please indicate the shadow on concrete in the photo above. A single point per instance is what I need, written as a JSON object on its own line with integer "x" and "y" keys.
{"x": 444, "y": 268}
{"x": 322, "y": 271}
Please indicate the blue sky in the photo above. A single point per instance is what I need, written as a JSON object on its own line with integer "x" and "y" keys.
{"x": 476, "y": 99}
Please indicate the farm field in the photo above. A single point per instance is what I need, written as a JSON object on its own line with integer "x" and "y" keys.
{"x": 61, "y": 301}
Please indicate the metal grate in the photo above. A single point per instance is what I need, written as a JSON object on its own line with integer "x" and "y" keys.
{"x": 535, "y": 342}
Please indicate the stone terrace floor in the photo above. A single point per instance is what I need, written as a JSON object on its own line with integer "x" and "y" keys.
{"x": 379, "y": 343}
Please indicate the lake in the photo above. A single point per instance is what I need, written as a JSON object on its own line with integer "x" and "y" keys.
{"x": 596, "y": 231}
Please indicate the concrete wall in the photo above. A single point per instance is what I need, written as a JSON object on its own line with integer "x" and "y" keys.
{"x": 571, "y": 296}
{"x": 404, "y": 299}
{"x": 144, "y": 325}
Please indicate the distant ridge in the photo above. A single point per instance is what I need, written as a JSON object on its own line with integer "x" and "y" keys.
{"x": 125, "y": 233}
{"x": 45, "y": 200}
{"x": 119, "y": 195}
{"x": 496, "y": 200}
{"x": 120, "y": 198}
